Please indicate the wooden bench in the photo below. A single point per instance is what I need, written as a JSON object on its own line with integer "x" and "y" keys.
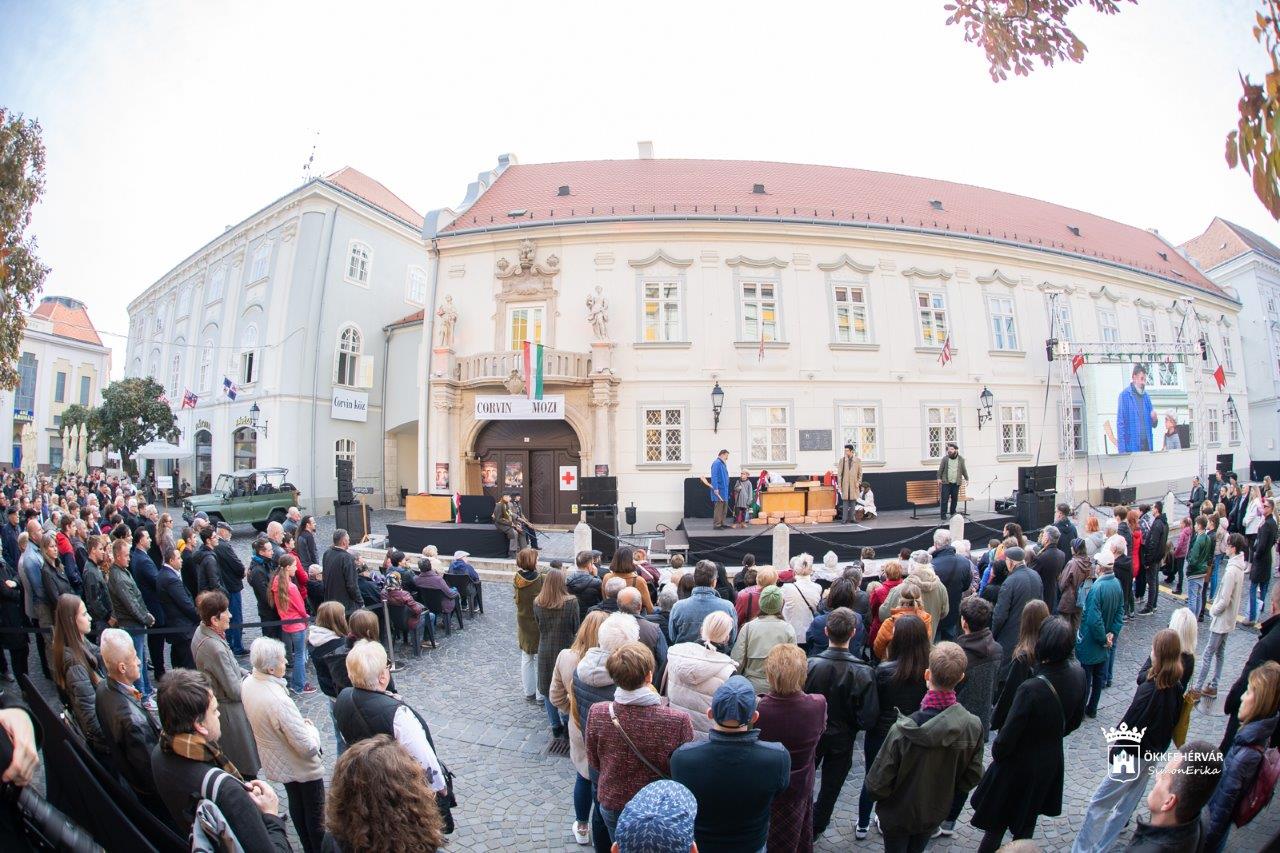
{"x": 928, "y": 493}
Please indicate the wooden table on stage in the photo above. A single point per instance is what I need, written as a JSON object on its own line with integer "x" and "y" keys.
{"x": 788, "y": 503}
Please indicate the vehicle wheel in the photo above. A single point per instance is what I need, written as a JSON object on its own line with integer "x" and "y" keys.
{"x": 215, "y": 517}
{"x": 260, "y": 526}
{"x": 277, "y": 515}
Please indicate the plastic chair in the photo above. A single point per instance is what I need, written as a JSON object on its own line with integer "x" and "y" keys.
{"x": 433, "y": 600}
{"x": 468, "y": 591}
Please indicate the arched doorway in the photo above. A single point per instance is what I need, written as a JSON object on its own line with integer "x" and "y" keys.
{"x": 530, "y": 458}
{"x": 204, "y": 461}
{"x": 244, "y": 448}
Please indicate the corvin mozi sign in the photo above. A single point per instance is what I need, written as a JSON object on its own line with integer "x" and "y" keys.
{"x": 549, "y": 408}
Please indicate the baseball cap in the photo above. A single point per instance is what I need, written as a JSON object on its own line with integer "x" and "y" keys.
{"x": 658, "y": 819}
{"x": 222, "y": 525}
{"x": 1015, "y": 554}
{"x": 734, "y": 702}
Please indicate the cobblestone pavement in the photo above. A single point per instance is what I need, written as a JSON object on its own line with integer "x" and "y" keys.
{"x": 513, "y": 796}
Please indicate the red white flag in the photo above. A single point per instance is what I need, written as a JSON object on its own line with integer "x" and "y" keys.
{"x": 1077, "y": 362}
{"x": 945, "y": 355}
{"x": 1220, "y": 376}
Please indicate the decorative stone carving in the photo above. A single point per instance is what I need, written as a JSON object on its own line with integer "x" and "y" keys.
{"x": 598, "y": 314}
{"x": 514, "y": 383}
{"x": 448, "y": 317}
{"x": 526, "y": 264}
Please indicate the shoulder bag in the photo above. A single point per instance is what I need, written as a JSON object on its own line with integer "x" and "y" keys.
{"x": 613, "y": 717}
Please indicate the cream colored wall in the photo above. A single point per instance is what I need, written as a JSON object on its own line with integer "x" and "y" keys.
{"x": 808, "y": 372}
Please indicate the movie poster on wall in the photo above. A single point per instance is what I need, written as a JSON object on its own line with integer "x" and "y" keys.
{"x": 442, "y": 476}
{"x": 489, "y": 475}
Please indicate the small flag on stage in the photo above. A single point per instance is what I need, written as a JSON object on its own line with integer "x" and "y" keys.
{"x": 189, "y": 400}
{"x": 533, "y": 370}
{"x": 945, "y": 355}
{"x": 1220, "y": 376}
{"x": 1077, "y": 362}
{"x": 229, "y": 388}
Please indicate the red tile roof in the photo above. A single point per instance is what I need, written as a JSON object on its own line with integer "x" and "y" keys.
{"x": 360, "y": 184}
{"x": 68, "y": 321}
{"x": 415, "y": 317}
{"x": 1224, "y": 240}
{"x": 610, "y": 189}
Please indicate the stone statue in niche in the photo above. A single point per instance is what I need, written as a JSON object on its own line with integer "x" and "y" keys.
{"x": 598, "y": 314}
{"x": 448, "y": 318}
{"x": 514, "y": 383}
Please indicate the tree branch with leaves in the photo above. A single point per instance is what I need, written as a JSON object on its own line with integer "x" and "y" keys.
{"x": 132, "y": 414}
{"x": 21, "y": 273}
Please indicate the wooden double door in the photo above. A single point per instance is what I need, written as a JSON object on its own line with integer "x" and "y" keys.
{"x": 538, "y": 460}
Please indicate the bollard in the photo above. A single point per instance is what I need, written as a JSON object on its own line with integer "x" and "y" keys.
{"x": 781, "y": 546}
{"x": 957, "y": 527}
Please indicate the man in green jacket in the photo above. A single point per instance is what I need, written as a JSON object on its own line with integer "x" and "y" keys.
{"x": 1199, "y": 554}
{"x": 952, "y": 473}
{"x": 1100, "y": 625}
{"x": 927, "y": 758}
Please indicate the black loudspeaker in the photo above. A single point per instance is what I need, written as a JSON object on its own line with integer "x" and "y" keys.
{"x": 596, "y": 491}
{"x": 1226, "y": 463}
{"x": 603, "y": 522}
{"x": 353, "y": 518}
{"x": 477, "y": 509}
{"x": 1036, "y": 510}
{"x": 346, "y": 471}
{"x": 1037, "y": 478}
{"x": 1119, "y": 497}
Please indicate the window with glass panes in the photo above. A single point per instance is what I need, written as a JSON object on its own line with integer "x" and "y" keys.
{"x": 358, "y": 263}
{"x": 661, "y": 310}
{"x": 849, "y": 304}
{"x": 860, "y": 426}
{"x": 1147, "y": 328}
{"x": 261, "y": 262}
{"x": 85, "y": 384}
{"x": 416, "y": 290}
{"x": 1004, "y": 331}
{"x": 1232, "y": 425}
{"x": 931, "y": 314}
{"x": 759, "y": 310}
{"x": 344, "y": 450}
{"x": 217, "y": 283}
{"x": 1228, "y": 357}
{"x": 524, "y": 323}
{"x": 1211, "y": 421}
{"x": 663, "y": 434}
{"x": 1065, "y": 327}
{"x": 59, "y": 387}
{"x": 768, "y": 434}
{"x": 941, "y": 425}
{"x": 1013, "y": 428}
{"x": 1077, "y": 428}
{"x": 1108, "y": 325}
{"x": 24, "y": 398}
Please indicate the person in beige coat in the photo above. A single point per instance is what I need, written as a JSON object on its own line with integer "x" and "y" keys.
{"x": 696, "y": 670}
{"x": 214, "y": 658}
{"x": 758, "y": 637}
{"x": 848, "y": 470}
{"x": 800, "y": 600}
{"x": 561, "y": 695}
{"x": 933, "y": 595}
{"x": 1223, "y": 612}
{"x": 288, "y": 744}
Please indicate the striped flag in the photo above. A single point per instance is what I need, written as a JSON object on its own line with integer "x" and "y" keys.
{"x": 945, "y": 355}
{"x": 533, "y": 369}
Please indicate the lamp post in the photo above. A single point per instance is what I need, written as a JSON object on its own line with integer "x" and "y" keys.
{"x": 984, "y": 406}
{"x": 254, "y": 414}
{"x": 717, "y": 405}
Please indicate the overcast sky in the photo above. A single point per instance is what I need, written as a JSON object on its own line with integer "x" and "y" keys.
{"x": 167, "y": 121}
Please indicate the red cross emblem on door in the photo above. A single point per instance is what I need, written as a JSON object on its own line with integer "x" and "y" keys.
{"x": 568, "y": 476}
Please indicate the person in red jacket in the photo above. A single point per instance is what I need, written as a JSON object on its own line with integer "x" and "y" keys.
{"x": 892, "y": 577}
{"x": 289, "y": 604}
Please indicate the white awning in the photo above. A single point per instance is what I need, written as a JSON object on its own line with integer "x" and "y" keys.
{"x": 160, "y": 450}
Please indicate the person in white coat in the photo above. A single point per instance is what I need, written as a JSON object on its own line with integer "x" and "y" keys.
{"x": 696, "y": 670}
{"x": 800, "y": 600}
{"x": 1225, "y": 607}
{"x": 288, "y": 744}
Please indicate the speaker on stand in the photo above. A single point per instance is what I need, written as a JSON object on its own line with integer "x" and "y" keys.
{"x": 598, "y": 499}
{"x": 353, "y": 518}
{"x": 346, "y": 471}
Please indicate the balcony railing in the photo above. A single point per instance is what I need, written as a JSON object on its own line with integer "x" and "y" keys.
{"x": 488, "y": 368}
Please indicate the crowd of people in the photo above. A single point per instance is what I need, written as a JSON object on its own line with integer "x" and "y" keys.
{"x": 737, "y": 703}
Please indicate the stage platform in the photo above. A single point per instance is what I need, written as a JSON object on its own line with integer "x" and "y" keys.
{"x": 479, "y": 540}
{"x": 891, "y": 530}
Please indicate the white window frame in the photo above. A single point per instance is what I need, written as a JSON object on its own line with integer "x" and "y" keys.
{"x": 918, "y": 311}
{"x": 344, "y": 449}
{"x": 1004, "y": 335}
{"x": 509, "y": 335}
{"x": 346, "y": 359}
{"x": 1147, "y": 327}
{"x": 249, "y": 363}
{"x": 217, "y": 285}
{"x": 845, "y": 282}
{"x": 942, "y": 406}
{"x": 412, "y": 294}
{"x": 1108, "y": 326}
{"x": 1064, "y": 311}
{"x": 184, "y": 300}
{"x": 60, "y": 394}
{"x": 260, "y": 264}
{"x": 1232, "y": 425}
{"x": 845, "y": 426}
{"x": 759, "y": 281}
{"x": 789, "y": 407}
{"x": 86, "y": 389}
{"x": 643, "y": 427}
{"x": 208, "y": 359}
{"x": 1228, "y": 352}
{"x": 1211, "y": 421}
{"x": 153, "y": 365}
{"x": 175, "y": 374}
{"x": 1014, "y": 445}
{"x": 1079, "y": 433}
{"x": 364, "y": 273}
{"x": 662, "y": 282}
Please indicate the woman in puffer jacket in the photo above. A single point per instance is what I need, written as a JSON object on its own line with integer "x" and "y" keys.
{"x": 1259, "y": 716}
{"x": 326, "y": 637}
{"x": 77, "y": 669}
{"x": 696, "y": 670}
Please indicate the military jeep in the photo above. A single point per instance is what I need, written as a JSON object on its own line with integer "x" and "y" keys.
{"x": 256, "y": 496}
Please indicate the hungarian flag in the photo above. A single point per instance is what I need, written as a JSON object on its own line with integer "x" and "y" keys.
{"x": 1220, "y": 376}
{"x": 945, "y": 355}
{"x": 533, "y": 370}
{"x": 1077, "y": 362}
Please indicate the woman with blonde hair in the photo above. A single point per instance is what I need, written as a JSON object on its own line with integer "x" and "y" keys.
{"x": 560, "y": 694}
{"x": 377, "y": 786}
{"x": 556, "y": 612}
{"x": 696, "y": 670}
{"x": 796, "y": 720}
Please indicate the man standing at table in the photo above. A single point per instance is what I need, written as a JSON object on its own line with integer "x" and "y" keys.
{"x": 951, "y": 474}
{"x": 849, "y": 483}
{"x": 719, "y": 490}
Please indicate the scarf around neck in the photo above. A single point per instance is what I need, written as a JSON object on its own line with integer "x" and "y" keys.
{"x": 193, "y": 746}
{"x": 644, "y": 695}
